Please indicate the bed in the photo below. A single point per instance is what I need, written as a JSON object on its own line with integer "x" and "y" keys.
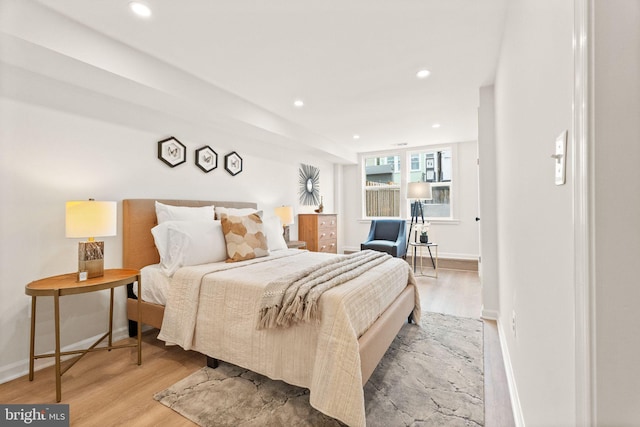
{"x": 333, "y": 362}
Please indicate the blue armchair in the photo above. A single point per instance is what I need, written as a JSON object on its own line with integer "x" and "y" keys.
{"x": 387, "y": 235}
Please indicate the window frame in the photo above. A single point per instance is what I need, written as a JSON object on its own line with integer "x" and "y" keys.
{"x": 404, "y": 164}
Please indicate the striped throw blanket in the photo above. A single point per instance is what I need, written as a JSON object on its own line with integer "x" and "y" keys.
{"x": 294, "y": 298}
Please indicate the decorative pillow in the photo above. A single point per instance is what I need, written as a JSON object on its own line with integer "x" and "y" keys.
{"x": 183, "y": 243}
{"x": 184, "y": 213}
{"x": 273, "y": 230}
{"x": 234, "y": 211}
{"x": 244, "y": 236}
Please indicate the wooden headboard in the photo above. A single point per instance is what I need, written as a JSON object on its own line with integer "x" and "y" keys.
{"x": 139, "y": 217}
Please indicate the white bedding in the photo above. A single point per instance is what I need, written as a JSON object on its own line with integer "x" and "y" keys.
{"x": 223, "y": 300}
{"x": 155, "y": 284}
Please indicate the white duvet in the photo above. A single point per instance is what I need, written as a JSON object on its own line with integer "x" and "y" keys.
{"x": 214, "y": 308}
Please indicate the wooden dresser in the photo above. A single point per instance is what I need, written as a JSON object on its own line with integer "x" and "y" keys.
{"x": 320, "y": 231}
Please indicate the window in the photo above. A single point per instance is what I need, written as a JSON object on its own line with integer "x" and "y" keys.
{"x": 384, "y": 182}
{"x": 382, "y": 186}
{"x": 437, "y": 170}
{"x": 415, "y": 162}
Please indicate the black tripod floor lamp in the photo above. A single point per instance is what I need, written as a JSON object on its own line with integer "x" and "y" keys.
{"x": 417, "y": 192}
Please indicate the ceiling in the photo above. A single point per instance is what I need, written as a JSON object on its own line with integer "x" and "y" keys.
{"x": 352, "y": 62}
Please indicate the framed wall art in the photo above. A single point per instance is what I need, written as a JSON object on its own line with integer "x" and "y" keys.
{"x": 172, "y": 152}
{"x": 309, "y": 185}
{"x": 233, "y": 163}
{"x": 206, "y": 159}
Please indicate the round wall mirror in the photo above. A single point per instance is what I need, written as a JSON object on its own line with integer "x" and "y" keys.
{"x": 309, "y": 180}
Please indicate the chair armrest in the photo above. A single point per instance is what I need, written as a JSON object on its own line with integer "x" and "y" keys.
{"x": 372, "y": 232}
{"x": 402, "y": 235}
{"x": 401, "y": 242}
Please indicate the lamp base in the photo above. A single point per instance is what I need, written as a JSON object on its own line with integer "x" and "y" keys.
{"x": 285, "y": 233}
{"x": 90, "y": 260}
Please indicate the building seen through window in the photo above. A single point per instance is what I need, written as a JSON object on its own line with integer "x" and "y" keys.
{"x": 382, "y": 187}
{"x": 435, "y": 167}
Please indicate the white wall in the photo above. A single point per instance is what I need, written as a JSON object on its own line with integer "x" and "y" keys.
{"x": 617, "y": 210}
{"x": 533, "y": 100}
{"x": 457, "y": 239}
{"x": 488, "y": 267}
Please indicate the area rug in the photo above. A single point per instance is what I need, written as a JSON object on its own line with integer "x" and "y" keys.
{"x": 431, "y": 375}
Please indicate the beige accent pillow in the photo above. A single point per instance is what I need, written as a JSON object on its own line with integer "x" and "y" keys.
{"x": 244, "y": 236}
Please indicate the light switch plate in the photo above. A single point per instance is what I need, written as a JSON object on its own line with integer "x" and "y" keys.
{"x": 560, "y": 157}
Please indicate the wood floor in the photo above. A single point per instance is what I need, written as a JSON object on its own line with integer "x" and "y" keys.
{"x": 109, "y": 389}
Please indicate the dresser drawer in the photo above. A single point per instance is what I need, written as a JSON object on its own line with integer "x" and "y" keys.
{"x": 327, "y": 233}
{"x": 328, "y": 222}
{"x": 328, "y": 246}
{"x": 320, "y": 231}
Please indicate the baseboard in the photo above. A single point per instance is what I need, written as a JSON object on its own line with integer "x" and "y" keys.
{"x": 21, "y": 367}
{"x": 448, "y": 263}
{"x": 490, "y": 314}
{"x": 513, "y": 389}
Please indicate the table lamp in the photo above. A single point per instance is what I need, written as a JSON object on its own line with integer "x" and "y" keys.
{"x": 90, "y": 219}
{"x": 285, "y": 213}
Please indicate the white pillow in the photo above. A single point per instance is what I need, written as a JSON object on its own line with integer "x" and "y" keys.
{"x": 183, "y": 243}
{"x": 183, "y": 213}
{"x": 273, "y": 230}
{"x": 234, "y": 211}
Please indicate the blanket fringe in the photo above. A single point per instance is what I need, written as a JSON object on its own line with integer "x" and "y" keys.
{"x": 292, "y": 313}
{"x": 268, "y": 317}
{"x": 311, "y": 312}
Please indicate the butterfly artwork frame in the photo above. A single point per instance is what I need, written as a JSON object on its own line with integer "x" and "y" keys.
{"x": 172, "y": 152}
{"x": 206, "y": 159}
{"x": 233, "y": 163}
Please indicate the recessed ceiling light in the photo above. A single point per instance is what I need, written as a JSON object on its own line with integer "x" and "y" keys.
{"x": 423, "y": 74}
{"x": 140, "y": 9}
{"x": 298, "y": 103}
{"x": 435, "y": 125}
{"x": 356, "y": 136}
{"x": 401, "y": 144}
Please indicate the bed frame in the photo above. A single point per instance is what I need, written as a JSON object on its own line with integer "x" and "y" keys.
{"x": 139, "y": 217}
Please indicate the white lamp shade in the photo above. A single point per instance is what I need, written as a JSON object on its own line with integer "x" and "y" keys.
{"x": 419, "y": 190}
{"x": 89, "y": 218}
{"x": 285, "y": 213}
